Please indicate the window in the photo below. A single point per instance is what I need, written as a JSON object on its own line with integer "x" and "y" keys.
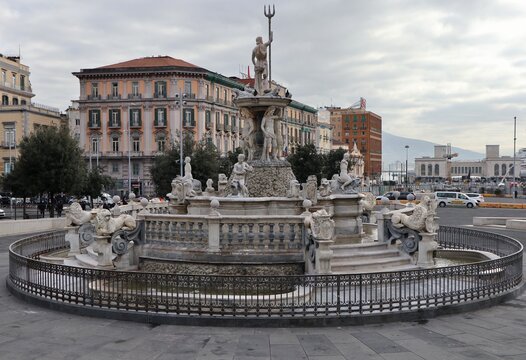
{"x": 423, "y": 170}
{"x": 94, "y": 90}
{"x": 161, "y": 143}
{"x": 225, "y": 119}
{"x": 160, "y": 117}
{"x": 8, "y": 166}
{"x": 208, "y": 120}
{"x": 430, "y": 170}
{"x": 22, "y": 82}
{"x": 217, "y": 93}
{"x": 135, "y": 88}
{"x": 496, "y": 170}
{"x": 503, "y": 169}
{"x": 136, "y": 144}
{"x": 115, "y": 89}
{"x": 207, "y": 90}
{"x": 5, "y": 100}
{"x": 4, "y": 77}
{"x": 511, "y": 169}
{"x": 189, "y": 118}
{"x": 115, "y": 167}
{"x": 188, "y": 88}
{"x": 77, "y": 122}
{"x": 218, "y": 122}
{"x": 437, "y": 170}
{"x": 15, "y": 101}
{"x": 224, "y": 95}
{"x": 160, "y": 89}
{"x": 9, "y": 136}
{"x": 115, "y": 143}
{"x": 94, "y": 118}
{"x": 233, "y": 121}
{"x": 95, "y": 145}
{"x": 115, "y": 118}
{"x": 136, "y": 168}
{"x": 13, "y": 78}
{"x": 135, "y": 117}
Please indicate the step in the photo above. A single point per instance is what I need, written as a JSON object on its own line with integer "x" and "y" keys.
{"x": 374, "y": 269}
{"x": 360, "y": 247}
{"x": 385, "y": 253}
{"x": 366, "y": 264}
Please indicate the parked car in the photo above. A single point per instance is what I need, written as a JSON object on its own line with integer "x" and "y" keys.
{"x": 478, "y": 197}
{"x": 2, "y": 213}
{"x": 390, "y": 195}
{"x": 445, "y": 198}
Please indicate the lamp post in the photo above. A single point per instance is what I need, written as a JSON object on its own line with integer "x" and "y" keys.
{"x": 406, "y": 158}
{"x": 180, "y": 101}
{"x": 514, "y": 157}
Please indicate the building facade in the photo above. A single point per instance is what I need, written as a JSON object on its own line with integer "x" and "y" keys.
{"x": 324, "y": 131}
{"x": 438, "y": 167}
{"x": 132, "y": 111}
{"x": 19, "y": 117}
{"x": 364, "y": 128}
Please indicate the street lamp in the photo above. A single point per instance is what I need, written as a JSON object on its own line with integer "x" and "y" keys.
{"x": 514, "y": 157}
{"x": 406, "y": 158}
{"x": 182, "y": 103}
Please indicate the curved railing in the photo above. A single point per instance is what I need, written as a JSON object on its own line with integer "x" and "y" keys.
{"x": 270, "y": 297}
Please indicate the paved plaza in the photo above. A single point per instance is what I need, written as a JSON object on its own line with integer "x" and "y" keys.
{"x": 31, "y": 332}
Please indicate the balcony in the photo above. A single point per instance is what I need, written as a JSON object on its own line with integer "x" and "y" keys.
{"x": 137, "y": 153}
{"x": 159, "y": 95}
{"x": 134, "y": 96}
{"x": 219, "y": 127}
{"x": 189, "y": 124}
{"x": 160, "y": 124}
{"x": 8, "y": 144}
{"x": 10, "y": 85}
{"x": 235, "y": 128}
{"x": 114, "y": 125}
{"x": 208, "y": 125}
{"x": 135, "y": 124}
{"x": 93, "y": 125}
{"x": 94, "y": 97}
{"x": 114, "y": 154}
{"x": 227, "y": 127}
{"x": 113, "y": 97}
{"x": 210, "y": 98}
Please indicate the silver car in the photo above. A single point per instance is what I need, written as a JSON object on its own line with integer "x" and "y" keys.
{"x": 478, "y": 197}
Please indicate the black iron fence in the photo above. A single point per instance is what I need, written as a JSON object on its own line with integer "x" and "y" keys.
{"x": 306, "y": 296}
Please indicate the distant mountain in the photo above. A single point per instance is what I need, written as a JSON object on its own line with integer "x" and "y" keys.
{"x": 393, "y": 150}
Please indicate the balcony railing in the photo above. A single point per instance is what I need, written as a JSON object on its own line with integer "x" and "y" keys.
{"x": 134, "y": 96}
{"x": 227, "y": 127}
{"x": 208, "y": 125}
{"x": 8, "y": 144}
{"x": 113, "y": 97}
{"x": 10, "y": 85}
{"x": 94, "y": 97}
{"x": 136, "y": 153}
{"x": 219, "y": 127}
{"x": 160, "y": 124}
{"x": 113, "y": 154}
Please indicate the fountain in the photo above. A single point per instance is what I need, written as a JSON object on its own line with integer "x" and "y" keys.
{"x": 260, "y": 245}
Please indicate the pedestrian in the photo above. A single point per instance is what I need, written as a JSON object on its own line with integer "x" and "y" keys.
{"x": 42, "y": 208}
{"x": 59, "y": 205}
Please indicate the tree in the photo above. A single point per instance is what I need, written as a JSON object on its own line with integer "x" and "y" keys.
{"x": 331, "y": 162}
{"x": 205, "y": 164}
{"x": 50, "y": 162}
{"x": 306, "y": 161}
{"x": 96, "y": 183}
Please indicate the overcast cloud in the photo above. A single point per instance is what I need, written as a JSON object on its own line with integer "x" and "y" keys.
{"x": 447, "y": 71}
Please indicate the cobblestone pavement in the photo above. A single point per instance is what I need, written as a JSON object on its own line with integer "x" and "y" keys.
{"x": 30, "y": 332}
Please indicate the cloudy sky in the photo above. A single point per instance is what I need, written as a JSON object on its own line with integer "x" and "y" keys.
{"x": 447, "y": 71}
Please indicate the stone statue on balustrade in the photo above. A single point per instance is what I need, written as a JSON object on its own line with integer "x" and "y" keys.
{"x": 209, "y": 190}
{"x": 186, "y": 186}
{"x": 324, "y": 189}
{"x": 423, "y": 218}
{"x": 345, "y": 182}
{"x": 106, "y": 225}
{"x": 294, "y": 189}
{"x": 259, "y": 59}
{"x": 76, "y": 216}
{"x": 222, "y": 185}
{"x": 239, "y": 174}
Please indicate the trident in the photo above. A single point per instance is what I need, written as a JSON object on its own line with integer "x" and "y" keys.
{"x": 269, "y": 14}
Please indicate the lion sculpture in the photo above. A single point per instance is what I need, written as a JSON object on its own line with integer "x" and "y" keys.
{"x": 105, "y": 224}
{"x": 76, "y": 216}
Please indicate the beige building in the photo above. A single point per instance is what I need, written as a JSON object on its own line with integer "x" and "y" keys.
{"x": 131, "y": 111}
{"x": 438, "y": 167}
{"x": 324, "y": 131}
{"x": 18, "y": 115}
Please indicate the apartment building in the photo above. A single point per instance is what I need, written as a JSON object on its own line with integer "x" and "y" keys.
{"x": 357, "y": 125}
{"x": 18, "y": 115}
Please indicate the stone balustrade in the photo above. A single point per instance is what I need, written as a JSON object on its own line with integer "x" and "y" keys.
{"x": 216, "y": 233}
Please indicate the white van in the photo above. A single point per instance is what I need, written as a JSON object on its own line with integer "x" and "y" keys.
{"x": 454, "y": 198}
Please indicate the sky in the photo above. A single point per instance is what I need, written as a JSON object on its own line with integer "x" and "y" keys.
{"x": 446, "y": 71}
